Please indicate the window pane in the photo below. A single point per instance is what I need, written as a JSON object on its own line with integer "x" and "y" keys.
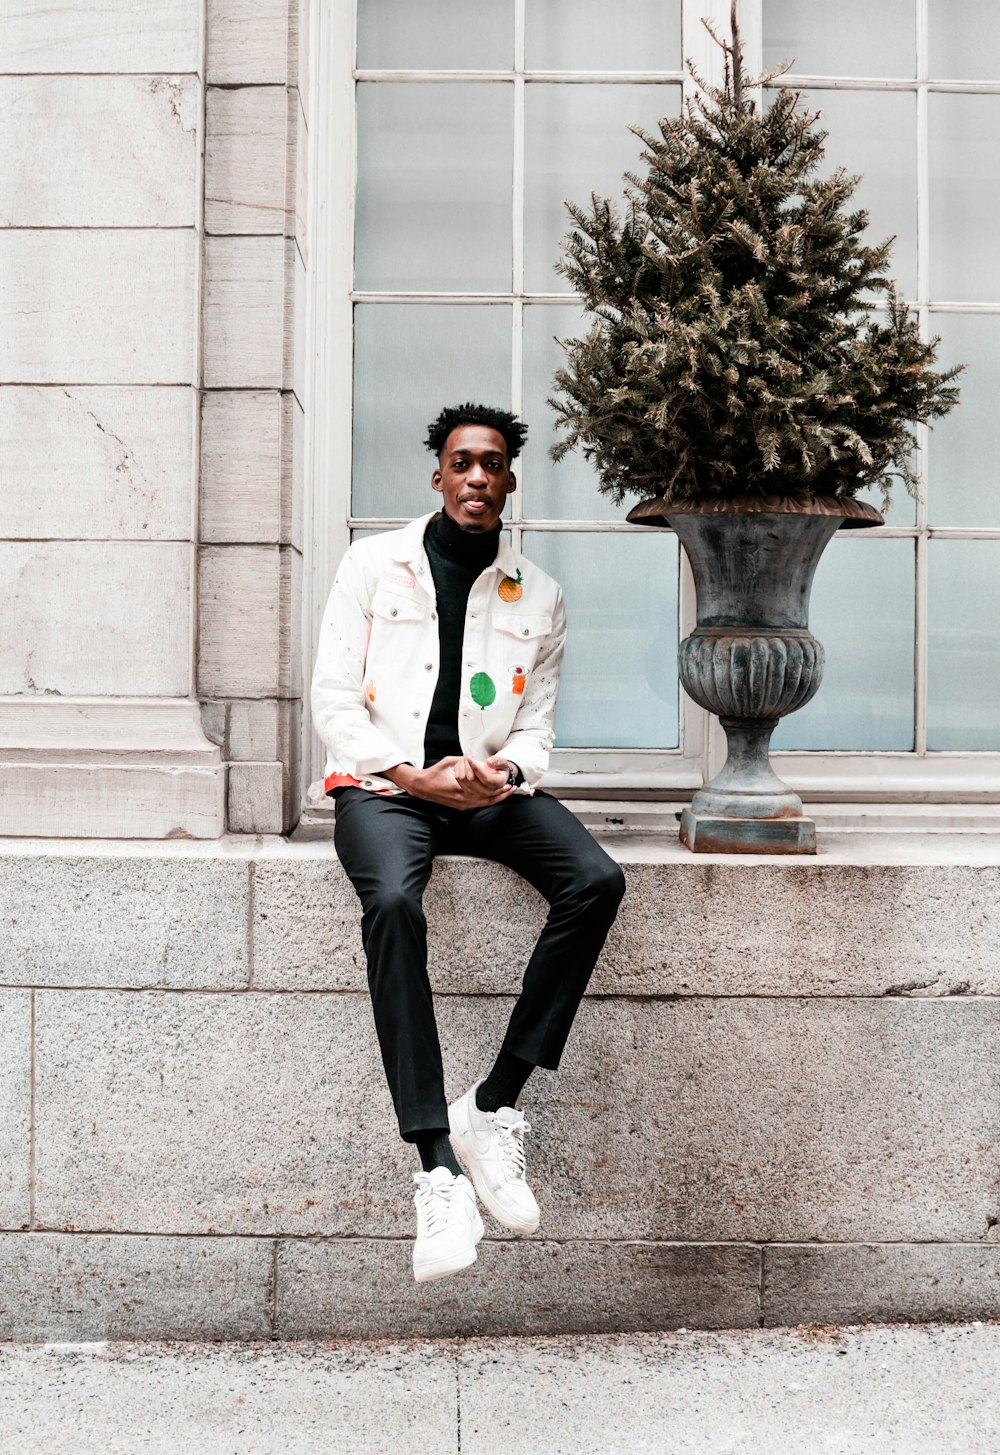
{"x": 964, "y": 197}
{"x": 567, "y": 491}
{"x": 964, "y": 475}
{"x": 577, "y": 142}
{"x": 875, "y": 133}
{"x": 963, "y": 697}
{"x": 434, "y": 187}
{"x": 862, "y": 611}
{"x": 591, "y": 35}
{"x": 411, "y": 360}
{"x": 619, "y": 679}
{"x": 851, "y": 38}
{"x": 435, "y": 35}
{"x": 964, "y": 40}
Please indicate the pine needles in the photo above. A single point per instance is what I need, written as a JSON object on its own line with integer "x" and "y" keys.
{"x": 745, "y": 338}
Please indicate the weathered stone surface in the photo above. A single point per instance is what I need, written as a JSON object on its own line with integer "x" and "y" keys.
{"x": 69, "y": 919}
{"x": 95, "y": 617}
{"x": 247, "y": 468}
{"x": 249, "y": 598}
{"x": 166, "y": 1112}
{"x": 881, "y": 1283}
{"x": 97, "y": 463}
{"x": 683, "y": 928}
{"x": 750, "y": 1120}
{"x": 246, "y": 160}
{"x": 54, "y": 150}
{"x": 15, "y": 1108}
{"x": 918, "y": 1391}
{"x": 97, "y": 306}
{"x": 248, "y": 315}
{"x": 211, "y": 1399}
{"x": 255, "y": 798}
{"x": 101, "y": 36}
{"x": 359, "y": 1288}
{"x": 252, "y": 41}
{"x": 86, "y": 1287}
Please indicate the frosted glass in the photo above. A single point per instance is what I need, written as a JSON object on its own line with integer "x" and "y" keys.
{"x": 963, "y": 698}
{"x": 619, "y": 680}
{"x": 963, "y": 473}
{"x": 849, "y": 38}
{"x": 435, "y": 35}
{"x": 964, "y": 197}
{"x": 591, "y": 35}
{"x": 567, "y": 491}
{"x": 875, "y": 133}
{"x": 434, "y": 202}
{"x": 410, "y": 361}
{"x": 964, "y": 38}
{"x": 861, "y": 609}
{"x": 577, "y": 142}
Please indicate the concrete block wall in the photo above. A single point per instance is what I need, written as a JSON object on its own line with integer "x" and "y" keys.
{"x": 252, "y": 421}
{"x": 780, "y": 1102}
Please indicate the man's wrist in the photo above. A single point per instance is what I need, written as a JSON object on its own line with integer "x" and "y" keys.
{"x": 401, "y": 774}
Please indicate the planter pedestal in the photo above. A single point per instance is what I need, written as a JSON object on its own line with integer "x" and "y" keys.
{"x": 752, "y": 658}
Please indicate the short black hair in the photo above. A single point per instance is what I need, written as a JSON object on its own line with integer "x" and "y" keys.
{"x": 514, "y": 432}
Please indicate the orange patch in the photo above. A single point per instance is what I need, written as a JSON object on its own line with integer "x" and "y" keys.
{"x": 370, "y": 691}
{"x": 517, "y": 685}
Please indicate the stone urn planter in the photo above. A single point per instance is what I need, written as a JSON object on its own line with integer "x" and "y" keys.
{"x": 752, "y": 659}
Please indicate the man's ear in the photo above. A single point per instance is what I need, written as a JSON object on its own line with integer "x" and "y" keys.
{"x": 436, "y": 481}
{"x": 512, "y": 486}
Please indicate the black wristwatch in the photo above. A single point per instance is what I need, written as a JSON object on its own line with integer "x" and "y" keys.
{"x": 514, "y": 776}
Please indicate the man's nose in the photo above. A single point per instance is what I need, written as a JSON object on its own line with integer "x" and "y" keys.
{"x": 477, "y": 475}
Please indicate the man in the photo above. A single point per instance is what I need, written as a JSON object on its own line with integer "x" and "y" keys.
{"x": 435, "y": 693}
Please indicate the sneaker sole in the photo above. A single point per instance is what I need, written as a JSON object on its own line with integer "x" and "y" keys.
{"x": 485, "y": 1193}
{"x": 428, "y": 1271}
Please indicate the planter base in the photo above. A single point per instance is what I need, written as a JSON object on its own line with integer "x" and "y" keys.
{"x": 711, "y": 833}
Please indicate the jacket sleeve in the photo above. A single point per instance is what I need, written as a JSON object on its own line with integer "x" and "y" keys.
{"x": 534, "y": 726}
{"x": 340, "y": 713}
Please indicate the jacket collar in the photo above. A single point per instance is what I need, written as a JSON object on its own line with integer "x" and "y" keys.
{"x": 409, "y": 548}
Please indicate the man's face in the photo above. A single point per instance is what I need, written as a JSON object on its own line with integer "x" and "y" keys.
{"x": 474, "y": 477}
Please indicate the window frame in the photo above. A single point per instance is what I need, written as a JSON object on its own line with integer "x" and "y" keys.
{"x": 670, "y": 774}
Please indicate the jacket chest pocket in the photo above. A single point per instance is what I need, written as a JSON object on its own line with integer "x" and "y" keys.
{"x": 396, "y": 617}
{"x": 521, "y": 634}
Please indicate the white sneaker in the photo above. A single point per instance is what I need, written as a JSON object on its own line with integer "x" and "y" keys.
{"x": 490, "y": 1144}
{"x": 448, "y": 1224}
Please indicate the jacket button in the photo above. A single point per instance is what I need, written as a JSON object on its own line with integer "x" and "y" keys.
{"x": 524, "y": 630}
{"x": 428, "y": 666}
{"x": 434, "y": 616}
{"x": 393, "y": 611}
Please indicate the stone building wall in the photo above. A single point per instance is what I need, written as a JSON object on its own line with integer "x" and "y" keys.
{"x": 151, "y": 256}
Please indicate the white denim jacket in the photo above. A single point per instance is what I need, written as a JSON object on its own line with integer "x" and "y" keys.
{"x": 378, "y": 661}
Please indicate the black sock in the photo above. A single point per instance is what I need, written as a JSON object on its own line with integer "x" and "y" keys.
{"x": 505, "y": 1082}
{"x": 435, "y": 1151}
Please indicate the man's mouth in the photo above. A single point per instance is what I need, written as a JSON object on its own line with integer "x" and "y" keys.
{"x": 475, "y": 503}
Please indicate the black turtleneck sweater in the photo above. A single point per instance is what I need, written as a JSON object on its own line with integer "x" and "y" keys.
{"x": 457, "y": 558}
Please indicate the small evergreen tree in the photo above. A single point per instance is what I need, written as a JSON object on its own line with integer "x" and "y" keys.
{"x": 736, "y": 348}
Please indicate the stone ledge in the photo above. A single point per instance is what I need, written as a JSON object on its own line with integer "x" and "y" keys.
{"x": 874, "y": 916}
{"x": 365, "y": 1287}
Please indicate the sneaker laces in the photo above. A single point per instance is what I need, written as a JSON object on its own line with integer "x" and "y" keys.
{"x": 510, "y": 1140}
{"x": 434, "y": 1201}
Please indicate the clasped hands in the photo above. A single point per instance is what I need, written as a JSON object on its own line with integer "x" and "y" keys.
{"x": 455, "y": 782}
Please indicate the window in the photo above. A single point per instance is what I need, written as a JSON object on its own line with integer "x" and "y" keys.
{"x": 450, "y": 144}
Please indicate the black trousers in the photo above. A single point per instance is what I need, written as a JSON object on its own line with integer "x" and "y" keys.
{"x": 387, "y": 846}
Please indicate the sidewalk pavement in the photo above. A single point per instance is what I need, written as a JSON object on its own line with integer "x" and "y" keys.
{"x": 909, "y": 1390}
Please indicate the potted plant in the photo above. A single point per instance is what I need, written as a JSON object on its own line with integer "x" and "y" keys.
{"x": 748, "y": 371}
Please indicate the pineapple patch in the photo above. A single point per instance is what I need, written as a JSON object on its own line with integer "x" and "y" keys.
{"x": 510, "y": 588}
